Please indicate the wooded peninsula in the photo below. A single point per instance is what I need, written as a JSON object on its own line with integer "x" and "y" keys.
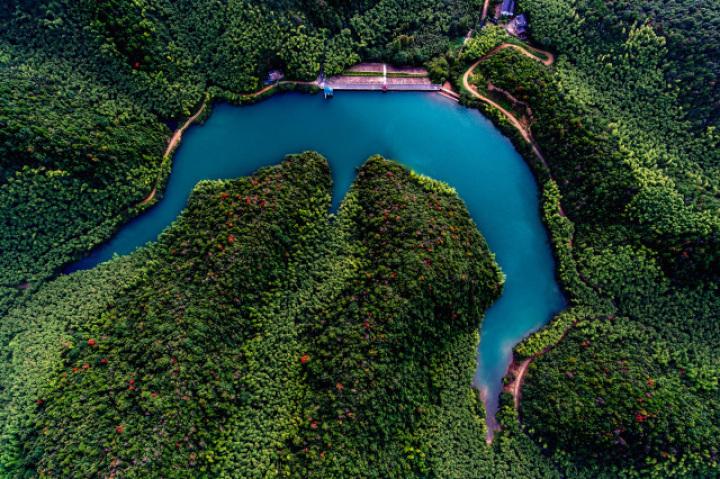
{"x": 264, "y": 336}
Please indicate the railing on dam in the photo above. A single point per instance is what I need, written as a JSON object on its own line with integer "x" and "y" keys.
{"x": 385, "y": 87}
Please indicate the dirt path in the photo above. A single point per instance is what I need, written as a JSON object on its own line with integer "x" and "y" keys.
{"x": 515, "y": 387}
{"x": 510, "y": 117}
{"x": 514, "y": 121}
{"x": 468, "y": 36}
{"x": 527, "y": 49}
{"x": 149, "y": 197}
{"x": 518, "y": 371}
{"x": 485, "y": 10}
{"x": 264, "y": 90}
{"x": 177, "y": 136}
{"x": 530, "y": 52}
{"x": 172, "y": 144}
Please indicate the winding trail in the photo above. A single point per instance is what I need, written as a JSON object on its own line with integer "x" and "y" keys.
{"x": 177, "y": 136}
{"x": 530, "y": 52}
{"x": 149, "y": 197}
{"x": 485, "y": 10}
{"x": 524, "y": 131}
{"x": 517, "y": 370}
{"x": 515, "y": 387}
{"x": 172, "y": 144}
{"x": 526, "y": 50}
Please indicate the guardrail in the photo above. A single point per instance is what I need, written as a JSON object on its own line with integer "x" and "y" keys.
{"x": 388, "y": 87}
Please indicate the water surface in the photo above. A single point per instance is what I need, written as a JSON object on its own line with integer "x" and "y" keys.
{"x": 423, "y": 131}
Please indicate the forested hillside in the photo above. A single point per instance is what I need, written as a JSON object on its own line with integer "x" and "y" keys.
{"x": 634, "y": 388}
{"x": 256, "y": 338}
{"x": 87, "y": 88}
{"x": 259, "y": 338}
{"x": 690, "y": 30}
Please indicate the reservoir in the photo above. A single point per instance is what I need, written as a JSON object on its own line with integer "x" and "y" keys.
{"x": 423, "y": 131}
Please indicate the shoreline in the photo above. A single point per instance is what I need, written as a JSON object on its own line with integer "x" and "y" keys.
{"x": 445, "y": 91}
{"x": 516, "y": 372}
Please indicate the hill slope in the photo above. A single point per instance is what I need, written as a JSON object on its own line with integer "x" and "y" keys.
{"x": 256, "y": 338}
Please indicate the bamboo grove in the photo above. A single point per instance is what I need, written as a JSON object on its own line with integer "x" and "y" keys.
{"x": 315, "y": 346}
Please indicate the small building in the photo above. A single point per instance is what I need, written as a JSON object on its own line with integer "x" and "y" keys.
{"x": 508, "y": 8}
{"x": 274, "y": 76}
{"x": 518, "y": 27}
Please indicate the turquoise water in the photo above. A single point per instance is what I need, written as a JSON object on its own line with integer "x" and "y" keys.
{"x": 424, "y": 131}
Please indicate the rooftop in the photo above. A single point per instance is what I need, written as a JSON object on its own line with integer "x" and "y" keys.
{"x": 507, "y": 8}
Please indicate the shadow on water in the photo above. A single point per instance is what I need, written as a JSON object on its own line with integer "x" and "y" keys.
{"x": 425, "y": 132}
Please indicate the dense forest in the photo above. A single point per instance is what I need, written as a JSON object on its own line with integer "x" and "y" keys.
{"x": 78, "y": 79}
{"x": 634, "y": 387}
{"x": 304, "y": 346}
{"x": 257, "y": 338}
